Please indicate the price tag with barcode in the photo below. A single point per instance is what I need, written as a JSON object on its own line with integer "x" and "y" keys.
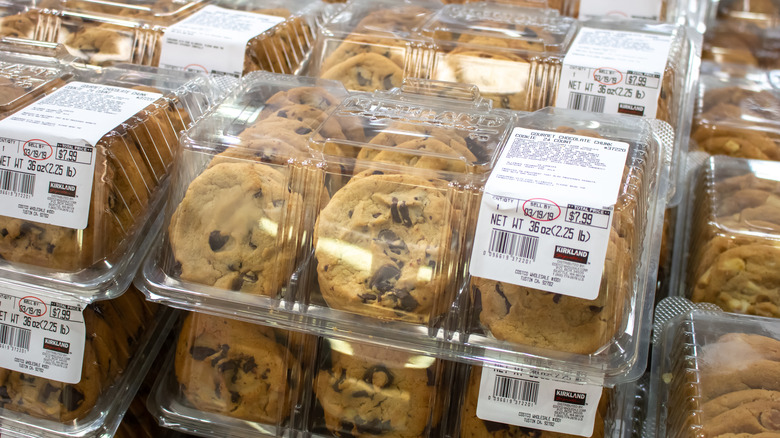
{"x": 546, "y": 212}
{"x": 48, "y": 150}
{"x": 539, "y": 399}
{"x": 614, "y": 72}
{"x": 41, "y": 336}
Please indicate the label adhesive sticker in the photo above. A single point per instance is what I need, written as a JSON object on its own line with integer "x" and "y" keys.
{"x": 539, "y": 399}
{"x": 614, "y": 72}
{"x": 47, "y": 150}
{"x": 546, "y": 212}
{"x": 213, "y": 40}
{"x": 644, "y": 10}
{"x": 41, "y": 336}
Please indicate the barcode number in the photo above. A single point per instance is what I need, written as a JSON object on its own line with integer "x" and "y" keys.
{"x": 17, "y": 182}
{"x": 514, "y": 244}
{"x": 516, "y": 390}
{"x": 15, "y": 337}
{"x": 587, "y": 102}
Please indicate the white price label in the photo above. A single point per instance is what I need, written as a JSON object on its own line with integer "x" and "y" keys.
{"x": 47, "y": 150}
{"x": 614, "y": 72}
{"x": 546, "y": 212}
{"x": 644, "y": 10}
{"x": 41, "y": 336}
{"x": 538, "y": 399}
{"x": 213, "y": 40}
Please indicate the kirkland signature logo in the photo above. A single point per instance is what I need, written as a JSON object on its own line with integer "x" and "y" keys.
{"x": 575, "y": 398}
{"x": 571, "y": 254}
{"x": 57, "y": 188}
{"x": 55, "y": 345}
{"x": 634, "y": 110}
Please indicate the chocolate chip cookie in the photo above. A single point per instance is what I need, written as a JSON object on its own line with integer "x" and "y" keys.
{"x": 229, "y": 230}
{"x": 368, "y": 391}
{"x": 380, "y": 245}
{"x": 366, "y": 72}
{"x": 235, "y": 368}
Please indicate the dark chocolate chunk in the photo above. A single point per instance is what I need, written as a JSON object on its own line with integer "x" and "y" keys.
{"x": 249, "y": 365}
{"x": 378, "y": 375}
{"x": 395, "y": 244}
{"x": 4, "y": 232}
{"x": 258, "y": 193}
{"x": 48, "y": 390}
{"x": 557, "y": 298}
{"x": 372, "y": 427}
{"x": 367, "y": 297}
{"x": 384, "y": 278}
{"x": 500, "y": 291}
{"x": 282, "y": 113}
{"x": 303, "y": 131}
{"x": 477, "y": 149}
{"x": 228, "y": 365}
{"x": 201, "y": 353}
{"x": 359, "y": 394}
{"x": 394, "y": 211}
{"x": 596, "y": 309}
{"x": 71, "y": 398}
{"x": 340, "y": 380}
{"x": 50, "y": 248}
{"x": 217, "y": 240}
{"x": 361, "y": 80}
{"x": 387, "y": 82}
{"x": 234, "y": 396}
{"x": 405, "y": 300}
{"x": 404, "y": 210}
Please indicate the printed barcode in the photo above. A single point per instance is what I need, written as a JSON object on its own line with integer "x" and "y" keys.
{"x": 17, "y": 182}
{"x": 15, "y": 337}
{"x": 516, "y": 389}
{"x": 514, "y": 244}
{"x": 587, "y": 102}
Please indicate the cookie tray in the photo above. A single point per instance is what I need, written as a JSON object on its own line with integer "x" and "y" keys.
{"x": 448, "y": 331}
{"x": 102, "y": 33}
{"x": 691, "y": 342}
{"x": 91, "y": 262}
{"x": 104, "y": 418}
{"x": 370, "y": 46}
{"x": 737, "y": 112}
{"x": 173, "y": 411}
{"x": 728, "y": 229}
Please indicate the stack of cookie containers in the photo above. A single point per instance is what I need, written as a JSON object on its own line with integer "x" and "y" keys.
{"x": 86, "y": 153}
{"x": 742, "y": 33}
{"x": 224, "y": 37}
{"x": 713, "y": 374}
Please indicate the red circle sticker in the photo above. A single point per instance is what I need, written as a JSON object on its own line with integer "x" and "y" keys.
{"x": 607, "y": 76}
{"x": 37, "y": 149}
{"x": 541, "y": 209}
{"x": 195, "y": 67}
{"x": 32, "y": 306}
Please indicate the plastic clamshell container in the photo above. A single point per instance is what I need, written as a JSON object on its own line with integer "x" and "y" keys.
{"x": 131, "y": 166}
{"x": 373, "y": 45}
{"x": 712, "y": 375}
{"x": 100, "y": 33}
{"x": 617, "y": 415}
{"x": 762, "y": 13}
{"x": 726, "y": 254}
{"x": 484, "y": 44}
{"x": 123, "y": 337}
{"x": 609, "y": 332}
{"x": 737, "y": 113}
{"x": 742, "y": 42}
{"x": 431, "y": 141}
{"x": 233, "y": 378}
{"x": 234, "y": 220}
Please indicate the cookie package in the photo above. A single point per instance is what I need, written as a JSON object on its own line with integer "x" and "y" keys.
{"x": 737, "y": 112}
{"x": 272, "y": 35}
{"x": 715, "y": 374}
{"x": 120, "y": 339}
{"x": 374, "y": 45}
{"x": 83, "y": 188}
{"x": 727, "y": 254}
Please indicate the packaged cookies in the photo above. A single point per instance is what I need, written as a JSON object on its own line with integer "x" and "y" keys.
{"x": 121, "y": 338}
{"x": 83, "y": 188}
{"x": 226, "y": 375}
{"x": 736, "y": 113}
{"x": 715, "y": 374}
{"x": 235, "y": 215}
{"x": 229, "y": 38}
{"x": 364, "y": 390}
{"x": 385, "y": 245}
{"x": 729, "y": 257}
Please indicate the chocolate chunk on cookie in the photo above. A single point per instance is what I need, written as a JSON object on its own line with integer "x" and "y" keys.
{"x": 366, "y": 72}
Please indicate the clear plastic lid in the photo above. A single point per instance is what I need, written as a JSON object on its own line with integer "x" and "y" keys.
{"x": 484, "y": 44}
{"x": 95, "y": 256}
{"x": 123, "y": 336}
{"x": 763, "y": 13}
{"x": 259, "y": 378}
{"x": 714, "y": 374}
{"x": 742, "y": 42}
{"x": 103, "y": 33}
{"x": 737, "y": 113}
{"x": 731, "y": 240}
